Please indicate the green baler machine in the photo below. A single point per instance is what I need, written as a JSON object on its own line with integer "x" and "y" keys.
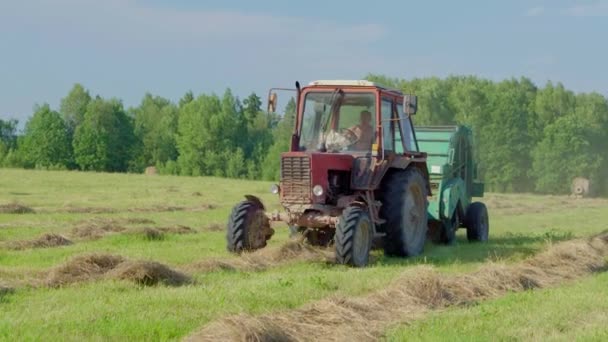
{"x": 453, "y": 172}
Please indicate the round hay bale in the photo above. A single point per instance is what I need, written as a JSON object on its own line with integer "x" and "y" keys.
{"x": 151, "y": 171}
{"x": 580, "y": 187}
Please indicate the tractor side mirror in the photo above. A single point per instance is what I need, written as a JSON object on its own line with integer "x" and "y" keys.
{"x": 272, "y": 102}
{"x": 410, "y": 104}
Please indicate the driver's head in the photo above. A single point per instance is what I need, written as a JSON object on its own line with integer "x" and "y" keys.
{"x": 365, "y": 117}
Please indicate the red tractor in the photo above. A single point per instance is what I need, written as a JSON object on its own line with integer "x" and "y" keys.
{"x": 354, "y": 172}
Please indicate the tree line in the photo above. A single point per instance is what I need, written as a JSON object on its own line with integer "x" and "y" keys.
{"x": 528, "y": 138}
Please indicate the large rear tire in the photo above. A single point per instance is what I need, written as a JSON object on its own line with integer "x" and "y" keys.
{"x": 404, "y": 206}
{"x": 248, "y": 228}
{"x": 477, "y": 222}
{"x": 353, "y": 237}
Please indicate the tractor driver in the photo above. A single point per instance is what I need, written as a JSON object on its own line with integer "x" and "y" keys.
{"x": 364, "y": 131}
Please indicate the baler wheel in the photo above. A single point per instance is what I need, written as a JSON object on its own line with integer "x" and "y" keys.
{"x": 248, "y": 227}
{"x": 477, "y": 222}
{"x": 353, "y": 237}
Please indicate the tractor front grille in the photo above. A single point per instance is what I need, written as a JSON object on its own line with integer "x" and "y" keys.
{"x": 295, "y": 180}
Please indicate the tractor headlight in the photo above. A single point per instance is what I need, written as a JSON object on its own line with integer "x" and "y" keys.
{"x": 274, "y": 188}
{"x": 317, "y": 190}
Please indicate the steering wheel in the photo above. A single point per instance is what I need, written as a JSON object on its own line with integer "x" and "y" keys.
{"x": 350, "y": 135}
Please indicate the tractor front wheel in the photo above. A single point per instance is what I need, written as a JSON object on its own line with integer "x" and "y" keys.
{"x": 477, "y": 222}
{"x": 353, "y": 237}
{"x": 248, "y": 228}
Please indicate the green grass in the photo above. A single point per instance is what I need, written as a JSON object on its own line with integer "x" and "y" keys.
{"x": 520, "y": 225}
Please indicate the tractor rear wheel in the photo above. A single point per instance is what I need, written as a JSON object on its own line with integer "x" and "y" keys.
{"x": 477, "y": 222}
{"x": 248, "y": 228}
{"x": 354, "y": 237}
{"x": 404, "y": 206}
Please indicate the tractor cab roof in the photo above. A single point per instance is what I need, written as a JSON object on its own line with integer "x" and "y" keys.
{"x": 353, "y": 83}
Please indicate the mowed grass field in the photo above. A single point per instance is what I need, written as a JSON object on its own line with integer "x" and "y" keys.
{"x": 113, "y": 214}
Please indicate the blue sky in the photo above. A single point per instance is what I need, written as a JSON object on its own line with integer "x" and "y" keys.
{"x": 124, "y": 48}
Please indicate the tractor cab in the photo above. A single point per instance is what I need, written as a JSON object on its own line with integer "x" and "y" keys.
{"x": 353, "y": 117}
{"x": 346, "y": 135}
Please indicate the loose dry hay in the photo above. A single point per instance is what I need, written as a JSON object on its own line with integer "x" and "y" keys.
{"x": 158, "y": 233}
{"x": 87, "y": 210}
{"x": 45, "y": 241}
{"x": 151, "y": 233}
{"x": 411, "y": 295}
{"x": 98, "y": 266}
{"x": 96, "y": 229}
{"x": 83, "y": 268}
{"x": 263, "y": 259}
{"x": 15, "y": 208}
{"x": 135, "y": 220}
{"x": 148, "y": 273}
{"x": 179, "y": 229}
{"x": 215, "y": 227}
{"x": 511, "y": 205}
{"x": 152, "y": 209}
{"x": 5, "y": 290}
{"x": 162, "y": 208}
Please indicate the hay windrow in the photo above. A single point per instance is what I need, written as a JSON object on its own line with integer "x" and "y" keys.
{"x": 151, "y": 234}
{"x": 15, "y": 208}
{"x": 87, "y": 210}
{"x": 410, "y": 295}
{"x": 260, "y": 260}
{"x": 214, "y": 227}
{"x": 5, "y": 290}
{"x": 149, "y": 273}
{"x": 85, "y": 268}
{"x": 179, "y": 229}
{"x": 151, "y": 209}
{"x": 45, "y": 241}
{"x": 159, "y": 233}
{"x": 96, "y": 229}
{"x": 82, "y": 268}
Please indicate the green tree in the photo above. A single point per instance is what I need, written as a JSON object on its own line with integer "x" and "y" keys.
{"x": 196, "y": 143}
{"x": 45, "y": 142}
{"x": 564, "y": 153}
{"x": 74, "y": 105}
{"x": 104, "y": 140}
{"x": 252, "y": 106}
{"x": 505, "y": 142}
{"x": 8, "y": 132}
{"x": 187, "y": 98}
{"x": 155, "y": 122}
{"x": 271, "y": 168}
{"x": 8, "y": 138}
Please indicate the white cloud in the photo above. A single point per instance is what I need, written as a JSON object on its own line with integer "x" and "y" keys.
{"x": 534, "y": 11}
{"x": 596, "y": 9}
{"x": 130, "y": 20}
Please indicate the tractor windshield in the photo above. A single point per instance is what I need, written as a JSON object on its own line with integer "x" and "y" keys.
{"x": 338, "y": 121}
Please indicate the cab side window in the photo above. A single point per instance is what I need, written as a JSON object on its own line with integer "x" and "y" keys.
{"x": 387, "y": 124}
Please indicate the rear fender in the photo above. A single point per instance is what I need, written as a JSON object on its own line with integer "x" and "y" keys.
{"x": 418, "y": 163}
{"x": 452, "y": 194}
